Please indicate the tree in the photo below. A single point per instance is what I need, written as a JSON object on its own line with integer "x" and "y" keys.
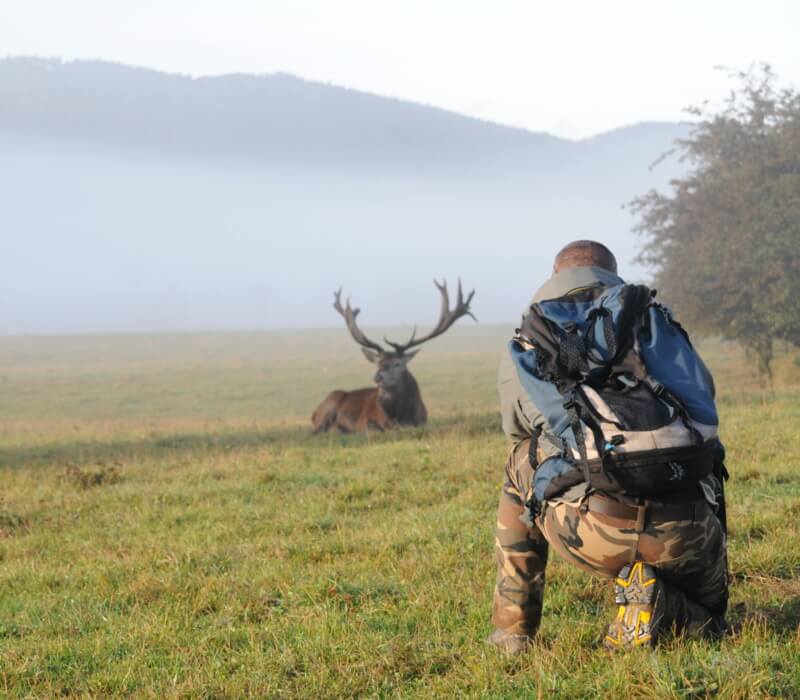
{"x": 725, "y": 245}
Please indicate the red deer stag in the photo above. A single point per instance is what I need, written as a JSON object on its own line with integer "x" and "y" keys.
{"x": 396, "y": 399}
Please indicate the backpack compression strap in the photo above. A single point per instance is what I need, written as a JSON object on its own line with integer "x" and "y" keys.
{"x": 571, "y": 408}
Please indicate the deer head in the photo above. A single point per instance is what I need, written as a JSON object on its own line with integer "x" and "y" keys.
{"x": 393, "y": 362}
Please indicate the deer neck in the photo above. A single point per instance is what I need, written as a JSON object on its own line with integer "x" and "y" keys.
{"x": 400, "y": 398}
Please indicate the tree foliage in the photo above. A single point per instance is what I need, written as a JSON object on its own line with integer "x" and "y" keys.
{"x": 725, "y": 245}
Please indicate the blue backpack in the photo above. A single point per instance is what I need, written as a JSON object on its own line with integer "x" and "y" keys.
{"x": 628, "y": 402}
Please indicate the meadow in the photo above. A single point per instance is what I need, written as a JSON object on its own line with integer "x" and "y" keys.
{"x": 169, "y": 528}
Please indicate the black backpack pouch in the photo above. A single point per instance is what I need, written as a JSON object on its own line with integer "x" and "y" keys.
{"x": 640, "y": 474}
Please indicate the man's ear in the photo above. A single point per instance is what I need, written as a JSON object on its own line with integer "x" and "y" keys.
{"x": 406, "y": 357}
{"x": 371, "y": 355}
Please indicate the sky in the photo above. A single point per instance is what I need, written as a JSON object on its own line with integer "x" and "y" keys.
{"x": 574, "y": 69}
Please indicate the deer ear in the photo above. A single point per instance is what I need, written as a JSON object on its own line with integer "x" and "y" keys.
{"x": 406, "y": 357}
{"x": 370, "y": 355}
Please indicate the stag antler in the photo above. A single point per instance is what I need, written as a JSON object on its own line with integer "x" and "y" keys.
{"x": 349, "y": 314}
{"x": 447, "y": 317}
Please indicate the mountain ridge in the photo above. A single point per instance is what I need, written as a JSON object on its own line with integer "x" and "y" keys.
{"x": 48, "y": 63}
{"x": 277, "y": 118}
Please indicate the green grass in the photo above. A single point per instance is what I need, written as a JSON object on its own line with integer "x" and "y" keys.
{"x": 170, "y": 528}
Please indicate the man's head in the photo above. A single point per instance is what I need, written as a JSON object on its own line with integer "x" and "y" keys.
{"x": 585, "y": 254}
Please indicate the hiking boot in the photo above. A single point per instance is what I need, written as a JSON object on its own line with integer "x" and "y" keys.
{"x": 637, "y": 591}
{"x": 511, "y": 644}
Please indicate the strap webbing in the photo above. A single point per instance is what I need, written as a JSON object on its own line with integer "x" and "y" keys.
{"x": 608, "y": 334}
{"x": 663, "y": 393}
{"x": 533, "y": 447}
{"x": 580, "y": 440}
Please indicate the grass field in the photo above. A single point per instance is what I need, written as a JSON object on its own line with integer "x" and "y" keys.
{"x": 170, "y": 528}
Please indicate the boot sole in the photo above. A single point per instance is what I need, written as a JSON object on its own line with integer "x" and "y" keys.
{"x": 634, "y": 592}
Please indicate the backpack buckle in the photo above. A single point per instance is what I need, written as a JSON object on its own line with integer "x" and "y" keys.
{"x": 613, "y": 442}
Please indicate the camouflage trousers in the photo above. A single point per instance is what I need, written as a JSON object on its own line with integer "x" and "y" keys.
{"x": 689, "y": 555}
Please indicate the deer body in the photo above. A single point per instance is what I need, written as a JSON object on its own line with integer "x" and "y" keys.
{"x": 396, "y": 399}
{"x": 371, "y": 408}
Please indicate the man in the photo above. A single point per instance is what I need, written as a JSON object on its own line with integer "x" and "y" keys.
{"x": 668, "y": 556}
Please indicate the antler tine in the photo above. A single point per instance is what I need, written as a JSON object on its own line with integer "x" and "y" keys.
{"x": 445, "y": 310}
{"x": 337, "y": 302}
{"x": 447, "y": 317}
{"x": 400, "y": 347}
{"x": 466, "y": 303}
{"x": 350, "y": 314}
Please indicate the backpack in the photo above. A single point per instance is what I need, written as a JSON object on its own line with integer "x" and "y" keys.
{"x": 627, "y": 400}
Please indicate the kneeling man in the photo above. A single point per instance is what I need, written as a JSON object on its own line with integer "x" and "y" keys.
{"x": 615, "y": 461}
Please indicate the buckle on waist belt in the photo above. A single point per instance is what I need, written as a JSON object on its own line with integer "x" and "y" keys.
{"x": 642, "y": 513}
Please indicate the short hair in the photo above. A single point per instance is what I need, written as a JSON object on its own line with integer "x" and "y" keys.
{"x": 585, "y": 254}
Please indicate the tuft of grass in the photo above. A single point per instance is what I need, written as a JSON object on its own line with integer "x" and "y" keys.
{"x": 87, "y": 477}
{"x": 11, "y": 523}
